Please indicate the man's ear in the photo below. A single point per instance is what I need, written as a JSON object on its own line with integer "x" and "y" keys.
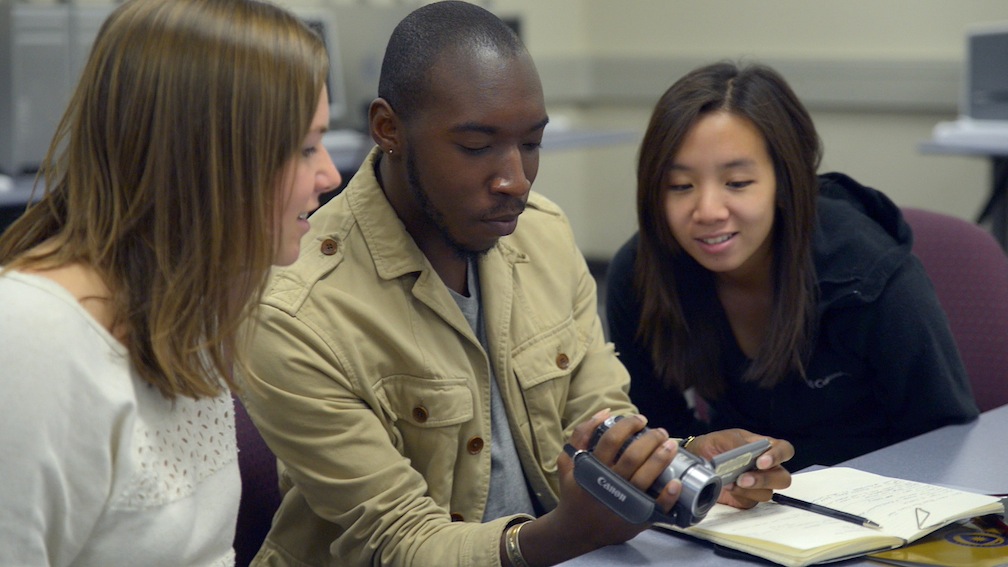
{"x": 385, "y": 126}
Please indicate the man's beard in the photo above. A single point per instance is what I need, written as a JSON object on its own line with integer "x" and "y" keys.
{"x": 433, "y": 214}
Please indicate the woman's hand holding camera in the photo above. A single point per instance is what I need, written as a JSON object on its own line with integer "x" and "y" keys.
{"x": 753, "y": 486}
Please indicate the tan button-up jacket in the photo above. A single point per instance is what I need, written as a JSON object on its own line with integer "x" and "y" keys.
{"x": 373, "y": 391}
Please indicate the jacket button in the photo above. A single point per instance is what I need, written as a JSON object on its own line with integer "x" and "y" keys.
{"x": 562, "y": 361}
{"x": 329, "y": 246}
{"x": 475, "y": 445}
{"x": 420, "y": 414}
{"x": 456, "y": 517}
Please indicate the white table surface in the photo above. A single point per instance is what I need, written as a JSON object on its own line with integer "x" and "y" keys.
{"x": 973, "y": 457}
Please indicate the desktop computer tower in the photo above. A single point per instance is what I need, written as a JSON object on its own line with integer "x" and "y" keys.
{"x": 42, "y": 51}
{"x": 34, "y": 80}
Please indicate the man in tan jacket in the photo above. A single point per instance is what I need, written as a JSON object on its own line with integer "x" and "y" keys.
{"x": 419, "y": 368}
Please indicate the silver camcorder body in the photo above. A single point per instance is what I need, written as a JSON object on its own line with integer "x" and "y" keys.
{"x": 701, "y": 480}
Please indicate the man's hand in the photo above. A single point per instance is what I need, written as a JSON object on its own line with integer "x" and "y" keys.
{"x": 580, "y": 523}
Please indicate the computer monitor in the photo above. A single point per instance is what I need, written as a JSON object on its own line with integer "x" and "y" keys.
{"x": 364, "y": 32}
{"x": 985, "y": 95}
{"x": 323, "y": 22}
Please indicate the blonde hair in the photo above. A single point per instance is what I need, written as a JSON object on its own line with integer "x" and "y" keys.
{"x": 164, "y": 175}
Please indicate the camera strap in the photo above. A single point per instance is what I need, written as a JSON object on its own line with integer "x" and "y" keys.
{"x": 609, "y": 488}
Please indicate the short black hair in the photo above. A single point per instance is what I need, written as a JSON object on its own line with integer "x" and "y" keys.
{"x": 424, "y": 35}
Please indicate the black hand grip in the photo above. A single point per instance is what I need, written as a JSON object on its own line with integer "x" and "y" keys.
{"x": 623, "y": 498}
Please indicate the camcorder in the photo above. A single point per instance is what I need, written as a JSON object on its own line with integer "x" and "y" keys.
{"x": 701, "y": 480}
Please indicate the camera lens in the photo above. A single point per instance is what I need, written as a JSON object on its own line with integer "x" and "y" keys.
{"x": 700, "y": 485}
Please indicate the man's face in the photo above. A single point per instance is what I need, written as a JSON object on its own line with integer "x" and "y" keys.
{"x": 472, "y": 150}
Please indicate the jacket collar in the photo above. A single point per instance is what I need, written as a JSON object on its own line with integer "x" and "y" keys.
{"x": 395, "y": 254}
{"x": 392, "y": 248}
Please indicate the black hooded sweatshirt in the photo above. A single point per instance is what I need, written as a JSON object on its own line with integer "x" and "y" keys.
{"x": 884, "y": 366}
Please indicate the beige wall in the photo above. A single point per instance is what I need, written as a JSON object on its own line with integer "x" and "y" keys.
{"x": 876, "y": 74}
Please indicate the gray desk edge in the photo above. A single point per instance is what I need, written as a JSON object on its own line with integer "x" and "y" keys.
{"x": 965, "y": 456}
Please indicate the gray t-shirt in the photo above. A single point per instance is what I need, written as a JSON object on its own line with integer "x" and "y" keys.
{"x": 509, "y": 493}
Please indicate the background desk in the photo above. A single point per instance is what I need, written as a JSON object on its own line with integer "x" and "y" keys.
{"x": 972, "y": 456}
{"x": 14, "y": 195}
{"x": 996, "y": 207}
{"x": 348, "y": 148}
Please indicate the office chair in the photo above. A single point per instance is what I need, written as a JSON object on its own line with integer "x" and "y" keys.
{"x": 260, "y": 496}
{"x": 969, "y": 270}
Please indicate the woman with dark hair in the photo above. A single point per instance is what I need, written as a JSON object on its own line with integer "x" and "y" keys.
{"x": 789, "y": 302}
{"x": 184, "y": 167}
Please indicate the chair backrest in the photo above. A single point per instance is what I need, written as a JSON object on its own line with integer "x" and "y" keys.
{"x": 260, "y": 492}
{"x": 969, "y": 270}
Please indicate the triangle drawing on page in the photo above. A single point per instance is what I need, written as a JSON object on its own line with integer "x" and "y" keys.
{"x": 922, "y": 516}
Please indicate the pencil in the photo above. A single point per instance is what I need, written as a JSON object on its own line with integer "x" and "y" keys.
{"x": 819, "y": 509}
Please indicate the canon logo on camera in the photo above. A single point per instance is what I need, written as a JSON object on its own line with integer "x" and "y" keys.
{"x": 608, "y": 487}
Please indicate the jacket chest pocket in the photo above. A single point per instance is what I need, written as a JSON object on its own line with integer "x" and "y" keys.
{"x": 427, "y": 417}
{"x": 544, "y": 366}
{"x": 427, "y": 403}
{"x": 548, "y": 356}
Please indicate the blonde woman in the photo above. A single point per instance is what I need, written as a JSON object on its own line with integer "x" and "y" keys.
{"x": 185, "y": 166}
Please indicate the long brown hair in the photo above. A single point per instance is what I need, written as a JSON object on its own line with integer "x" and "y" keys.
{"x": 675, "y": 321}
{"x": 165, "y": 175}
